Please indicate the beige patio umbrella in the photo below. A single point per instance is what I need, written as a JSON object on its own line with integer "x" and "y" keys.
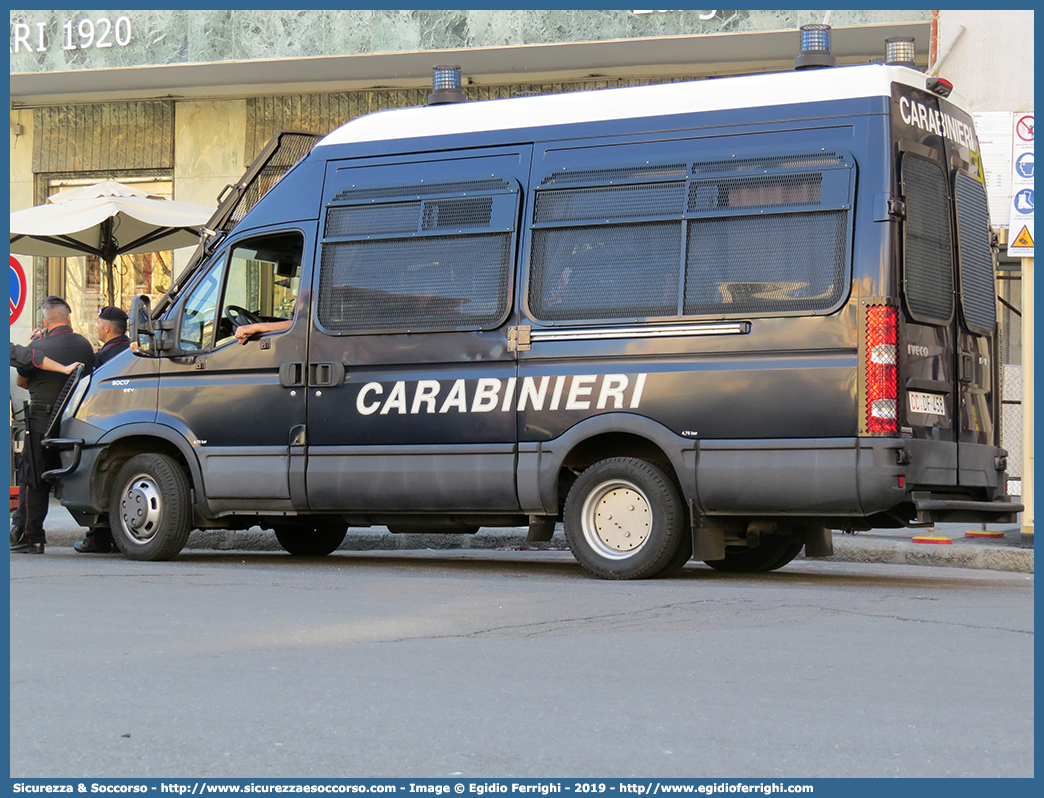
{"x": 106, "y": 219}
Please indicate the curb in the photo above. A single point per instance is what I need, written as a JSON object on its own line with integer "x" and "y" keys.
{"x": 993, "y": 558}
{"x": 970, "y": 553}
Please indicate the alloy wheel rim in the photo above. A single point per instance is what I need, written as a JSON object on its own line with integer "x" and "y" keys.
{"x": 616, "y": 519}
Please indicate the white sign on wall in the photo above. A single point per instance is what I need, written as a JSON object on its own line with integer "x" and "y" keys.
{"x": 994, "y": 130}
{"x": 1020, "y": 227}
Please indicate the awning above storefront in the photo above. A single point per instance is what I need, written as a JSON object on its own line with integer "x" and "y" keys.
{"x": 666, "y": 56}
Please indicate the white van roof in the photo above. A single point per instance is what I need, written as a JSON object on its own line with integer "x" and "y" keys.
{"x": 717, "y": 94}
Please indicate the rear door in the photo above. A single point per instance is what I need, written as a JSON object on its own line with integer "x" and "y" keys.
{"x": 928, "y": 390}
{"x": 945, "y": 356}
{"x": 977, "y": 371}
{"x": 411, "y": 378}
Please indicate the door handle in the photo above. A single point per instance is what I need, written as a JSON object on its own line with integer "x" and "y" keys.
{"x": 291, "y": 374}
{"x": 967, "y": 370}
{"x": 325, "y": 375}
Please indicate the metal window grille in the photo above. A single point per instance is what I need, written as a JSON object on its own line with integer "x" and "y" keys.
{"x": 928, "y": 273}
{"x": 978, "y": 291}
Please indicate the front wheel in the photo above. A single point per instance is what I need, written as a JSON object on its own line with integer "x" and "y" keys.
{"x": 625, "y": 519}
{"x": 150, "y": 510}
{"x": 311, "y": 540}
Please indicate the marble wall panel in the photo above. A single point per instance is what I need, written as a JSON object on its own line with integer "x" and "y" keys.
{"x": 394, "y": 31}
{"x": 348, "y": 31}
{"x": 495, "y": 28}
{"x": 209, "y": 136}
{"x": 443, "y": 30}
{"x": 205, "y": 36}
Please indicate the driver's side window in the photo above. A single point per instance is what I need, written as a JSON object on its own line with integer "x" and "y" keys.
{"x": 262, "y": 283}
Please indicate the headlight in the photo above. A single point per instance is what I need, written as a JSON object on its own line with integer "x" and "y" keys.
{"x": 77, "y": 396}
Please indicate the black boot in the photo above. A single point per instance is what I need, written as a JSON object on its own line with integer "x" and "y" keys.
{"x": 94, "y": 543}
{"x": 28, "y": 547}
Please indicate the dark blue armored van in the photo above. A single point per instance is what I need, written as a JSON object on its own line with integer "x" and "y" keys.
{"x": 713, "y": 319}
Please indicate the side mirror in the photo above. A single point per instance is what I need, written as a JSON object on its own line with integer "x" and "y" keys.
{"x": 141, "y": 330}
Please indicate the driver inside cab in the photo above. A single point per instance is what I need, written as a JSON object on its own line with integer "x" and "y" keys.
{"x": 244, "y": 331}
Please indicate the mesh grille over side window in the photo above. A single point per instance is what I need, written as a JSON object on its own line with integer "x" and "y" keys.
{"x": 928, "y": 273}
{"x": 426, "y": 258}
{"x": 764, "y": 235}
{"x": 759, "y": 264}
{"x": 978, "y": 299}
{"x": 433, "y": 283}
{"x": 606, "y": 272}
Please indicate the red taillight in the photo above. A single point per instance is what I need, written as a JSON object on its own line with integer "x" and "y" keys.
{"x": 881, "y": 377}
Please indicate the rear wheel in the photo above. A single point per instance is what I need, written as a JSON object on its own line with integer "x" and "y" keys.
{"x": 311, "y": 539}
{"x": 150, "y": 510}
{"x": 625, "y": 519}
{"x": 773, "y": 551}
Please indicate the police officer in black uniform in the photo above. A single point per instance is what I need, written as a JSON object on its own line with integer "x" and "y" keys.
{"x": 63, "y": 346}
{"x": 112, "y": 332}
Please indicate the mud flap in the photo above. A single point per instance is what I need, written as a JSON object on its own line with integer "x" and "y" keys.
{"x": 708, "y": 543}
{"x": 819, "y": 542}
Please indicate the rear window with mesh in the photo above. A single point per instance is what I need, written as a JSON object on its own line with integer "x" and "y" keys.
{"x": 418, "y": 258}
{"x": 764, "y": 236}
{"x": 978, "y": 298}
{"x": 928, "y": 241}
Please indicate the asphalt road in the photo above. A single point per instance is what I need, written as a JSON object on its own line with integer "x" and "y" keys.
{"x": 499, "y": 664}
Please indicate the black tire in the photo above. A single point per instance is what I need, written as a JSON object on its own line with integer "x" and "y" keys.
{"x": 422, "y": 529}
{"x": 648, "y": 536}
{"x": 150, "y": 510}
{"x": 773, "y": 552}
{"x": 311, "y": 539}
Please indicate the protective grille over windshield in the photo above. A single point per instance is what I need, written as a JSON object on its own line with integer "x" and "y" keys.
{"x": 285, "y": 150}
{"x": 978, "y": 302}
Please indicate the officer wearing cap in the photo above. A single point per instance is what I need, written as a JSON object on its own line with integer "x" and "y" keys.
{"x": 63, "y": 345}
{"x": 112, "y": 332}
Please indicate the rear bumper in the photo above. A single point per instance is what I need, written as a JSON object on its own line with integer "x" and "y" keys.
{"x": 941, "y": 509}
{"x": 886, "y": 481}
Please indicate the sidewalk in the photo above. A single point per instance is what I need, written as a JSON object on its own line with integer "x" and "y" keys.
{"x": 894, "y": 546}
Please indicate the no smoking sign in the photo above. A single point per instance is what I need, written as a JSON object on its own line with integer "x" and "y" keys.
{"x": 1024, "y": 128}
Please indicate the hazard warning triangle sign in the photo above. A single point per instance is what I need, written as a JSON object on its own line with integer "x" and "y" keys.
{"x": 1023, "y": 239}
{"x": 1021, "y": 246}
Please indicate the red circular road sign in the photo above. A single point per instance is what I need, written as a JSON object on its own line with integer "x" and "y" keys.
{"x": 18, "y": 289}
{"x": 1024, "y": 128}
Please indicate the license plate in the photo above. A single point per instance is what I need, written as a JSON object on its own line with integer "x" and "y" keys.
{"x": 931, "y": 403}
